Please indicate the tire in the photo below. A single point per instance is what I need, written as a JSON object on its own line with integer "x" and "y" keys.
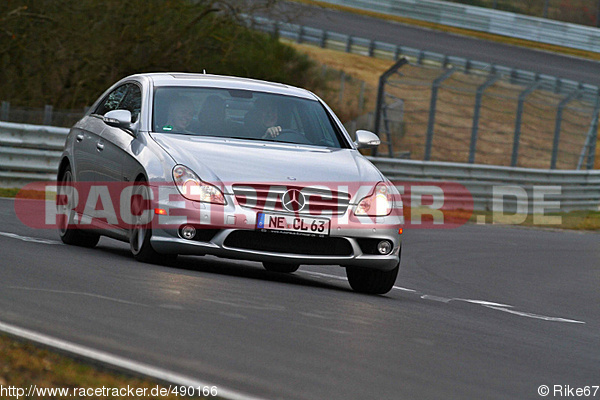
{"x": 69, "y": 234}
{"x": 372, "y": 281}
{"x": 281, "y": 267}
{"x": 140, "y": 233}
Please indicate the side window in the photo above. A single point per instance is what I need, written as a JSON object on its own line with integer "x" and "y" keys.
{"x": 111, "y": 102}
{"x": 132, "y": 101}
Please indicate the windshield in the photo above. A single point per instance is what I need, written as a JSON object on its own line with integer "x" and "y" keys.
{"x": 244, "y": 114}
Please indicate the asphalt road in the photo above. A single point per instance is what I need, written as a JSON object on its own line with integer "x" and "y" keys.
{"x": 307, "y": 335}
{"x": 568, "y": 67}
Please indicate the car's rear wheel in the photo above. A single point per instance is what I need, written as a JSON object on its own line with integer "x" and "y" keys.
{"x": 372, "y": 281}
{"x": 281, "y": 267}
{"x": 141, "y": 232}
{"x": 69, "y": 234}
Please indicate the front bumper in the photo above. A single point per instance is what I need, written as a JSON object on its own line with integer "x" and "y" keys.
{"x": 230, "y": 231}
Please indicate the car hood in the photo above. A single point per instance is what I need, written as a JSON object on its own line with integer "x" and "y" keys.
{"x": 234, "y": 161}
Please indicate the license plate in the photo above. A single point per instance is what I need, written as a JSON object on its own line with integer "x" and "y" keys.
{"x": 293, "y": 224}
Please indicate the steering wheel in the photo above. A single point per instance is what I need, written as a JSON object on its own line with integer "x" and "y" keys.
{"x": 291, "y": 136}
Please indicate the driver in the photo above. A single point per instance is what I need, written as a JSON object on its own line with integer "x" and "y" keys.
{"x": 262, "y": 121}
{"x": 181, "y": 114}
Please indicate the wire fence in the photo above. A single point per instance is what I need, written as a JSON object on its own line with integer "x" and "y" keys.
{"x": 451, "y": 115}
{"x": 39, "y": 116}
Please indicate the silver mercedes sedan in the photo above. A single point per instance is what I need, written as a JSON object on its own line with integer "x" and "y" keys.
{"x": 198, "y": 164}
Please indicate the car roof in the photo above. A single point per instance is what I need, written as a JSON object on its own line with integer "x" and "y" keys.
{"x": 166, "y": 79}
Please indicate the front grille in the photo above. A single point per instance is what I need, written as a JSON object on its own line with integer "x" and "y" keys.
{"x": 288, "y": 243}
{"x": 318, "y": 201}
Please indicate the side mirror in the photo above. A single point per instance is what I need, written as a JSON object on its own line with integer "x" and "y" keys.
{"x": 119, "y": 119}
{"x": 366, "y": 140}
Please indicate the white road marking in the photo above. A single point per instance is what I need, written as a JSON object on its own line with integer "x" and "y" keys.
{"x": 436, "y": 298}
{"x": 488, "y": 304}
{"x": 29, "y": 239}
{"x": 536, "y": 316}
{"x": 159, "y": 374}
{"x": 404, "y": 289}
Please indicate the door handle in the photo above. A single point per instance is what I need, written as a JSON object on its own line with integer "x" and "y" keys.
{"x": 79, "y": 137}
{"x": 100, "y": 146}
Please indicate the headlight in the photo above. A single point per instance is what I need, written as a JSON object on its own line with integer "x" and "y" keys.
{"x": 377, "y": 204}
{"x": 193, "y": 188}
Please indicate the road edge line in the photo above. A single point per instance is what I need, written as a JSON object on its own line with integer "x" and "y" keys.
{"x": 117, "y": 362}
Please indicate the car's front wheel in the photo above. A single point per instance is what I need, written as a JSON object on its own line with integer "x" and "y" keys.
{"x": 69, "y": 234}
{"x": 141, "y": 232}
{"x": 281, "y": 267}
{"x": 372, "y": 281}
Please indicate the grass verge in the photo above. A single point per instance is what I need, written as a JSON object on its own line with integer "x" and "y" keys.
{"x": 23, "y": 364}
{"x": 8, "y": 192}
{"x": 585, "y": 220}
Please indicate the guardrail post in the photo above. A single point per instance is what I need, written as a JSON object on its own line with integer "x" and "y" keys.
{"x": 324, "y": 39}
{"x": 467, "y": 66}
{"x": 478, "y": 97}
{"x": 559, "y": 111}
{"x": 514, "y": 74}
{"x": 48, "y": 115}
{"x": 432, "y": 105}
{"x": 397, "y": 52}
{"x": 371, "y": 48}
{"x": 349, "y": 44}
{"x": 445, "y": 62}
{"x": 557, "y": 85}
{"x": 301, "y": 34}
{"x": 4, "y": 111}
{"x": 519, "y": 119}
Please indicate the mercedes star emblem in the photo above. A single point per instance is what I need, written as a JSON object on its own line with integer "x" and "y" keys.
{"x": 293, "y": 200}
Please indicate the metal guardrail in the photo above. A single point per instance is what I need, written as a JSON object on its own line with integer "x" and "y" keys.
{"x": 485, "y": 20}
{"x": 388, "y": 51}
{"x": 30, "y": 153}
{"x": 573, "y": 190}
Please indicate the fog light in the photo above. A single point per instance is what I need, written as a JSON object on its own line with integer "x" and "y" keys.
{"x": 188, "y": 232}
{"x": 384, "y": 247}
